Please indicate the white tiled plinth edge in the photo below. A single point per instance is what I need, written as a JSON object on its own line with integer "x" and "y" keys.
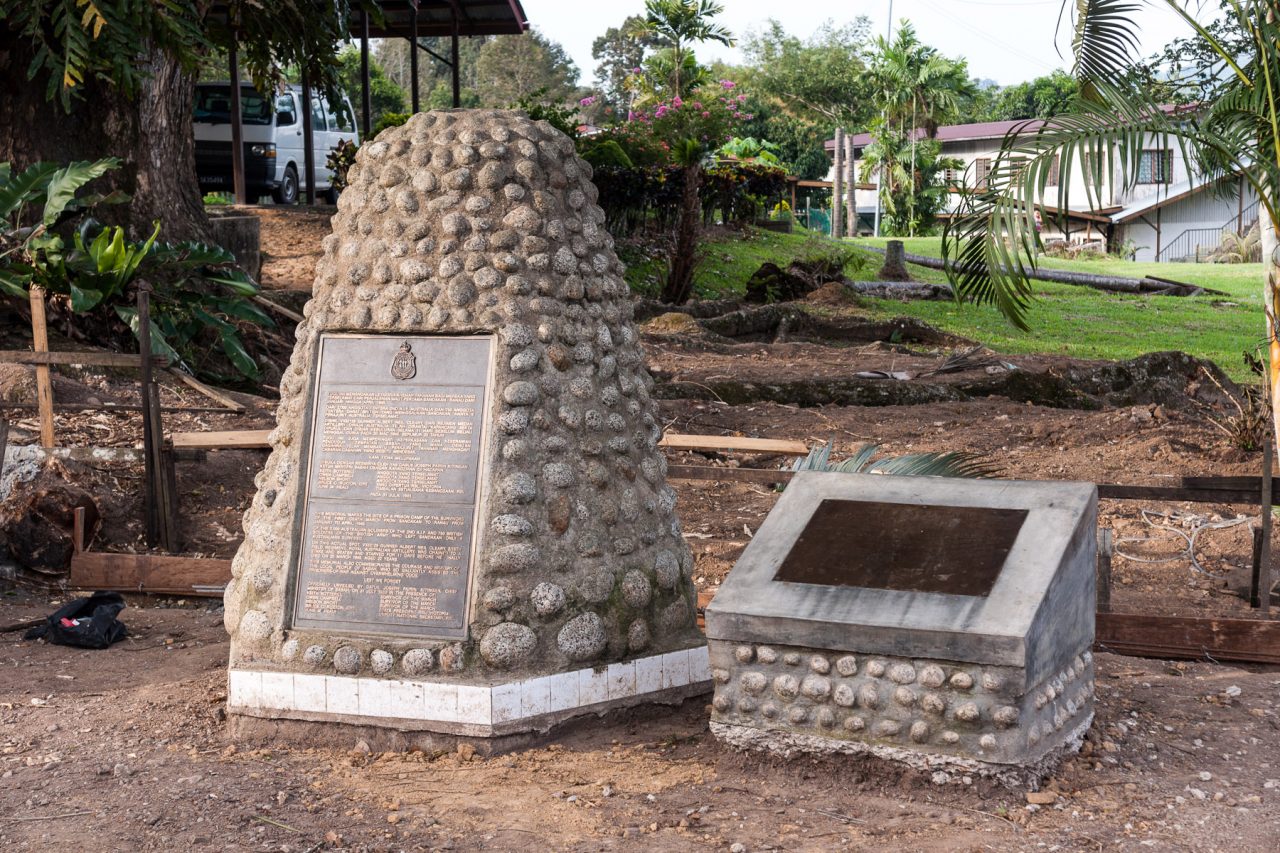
{"x": 305, "y": 694}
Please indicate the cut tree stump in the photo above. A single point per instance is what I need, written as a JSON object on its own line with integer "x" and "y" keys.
{"x": 895, "y": 263}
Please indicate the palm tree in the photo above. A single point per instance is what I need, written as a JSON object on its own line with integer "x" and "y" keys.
{"x": 917, "y": 89}
{"x": 990, "y": 246}
{"x": 681, "y": 24}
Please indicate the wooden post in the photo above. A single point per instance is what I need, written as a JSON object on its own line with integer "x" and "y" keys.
{"x": 237, "y": 126}
{"x": 148, "y": 440}
{"x": 366, "y": 120}
{"x": 44, "y": 382}
{"x": 4, "y": 441}
{"x": 1261, "y": 585}
{"x": 1106, "y": 548}
{"x": 837, "y": 186}
{"x": 454, "y": 60}
{"x": 851, "y": 195}
{"x": 413, "y": 57}
{"x": 308, "y": 139}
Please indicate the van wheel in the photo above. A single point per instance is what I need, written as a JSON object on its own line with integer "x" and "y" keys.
{"x": 287, "y": 192}
{"x": 331, "y": 195}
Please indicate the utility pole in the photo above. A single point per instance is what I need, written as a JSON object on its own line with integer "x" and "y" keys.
{"x": 880, "y": 183}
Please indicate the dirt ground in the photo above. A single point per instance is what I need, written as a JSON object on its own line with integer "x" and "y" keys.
{"x": 126, "y": 749}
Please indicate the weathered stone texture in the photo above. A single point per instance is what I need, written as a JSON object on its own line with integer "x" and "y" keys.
{"x": 967, "y": 714}
{"x": 485, "y": 222}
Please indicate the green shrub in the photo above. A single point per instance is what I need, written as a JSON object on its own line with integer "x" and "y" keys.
{"x": 48, "y": 240}
{"x": 389, "y": 120}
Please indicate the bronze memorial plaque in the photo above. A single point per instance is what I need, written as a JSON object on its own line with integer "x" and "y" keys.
{"x": 956, "y": 550}
{"x": 393, "y": 472}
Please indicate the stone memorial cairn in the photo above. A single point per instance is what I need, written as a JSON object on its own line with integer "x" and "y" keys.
{"x": 956, "y": 668}
{"x": 575, "y": 595}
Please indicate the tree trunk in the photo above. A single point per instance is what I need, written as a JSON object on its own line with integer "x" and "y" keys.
{"x": 851, "y": 190}
{"x": 895, "y": 265}
{"x": 684, "y": 259}
{"x": 151, "y": 134}
{"x": 837, "y": 186}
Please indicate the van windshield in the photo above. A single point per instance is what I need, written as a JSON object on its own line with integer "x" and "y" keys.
{"x": 213, "y": 106}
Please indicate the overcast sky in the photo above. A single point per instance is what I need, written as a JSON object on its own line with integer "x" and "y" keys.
{"x": 1004, "y": 40}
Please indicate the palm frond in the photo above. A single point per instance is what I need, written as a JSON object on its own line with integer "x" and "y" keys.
{"x": 863, "y": 461}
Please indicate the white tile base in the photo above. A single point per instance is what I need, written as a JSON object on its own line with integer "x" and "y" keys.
{"x": 292, "y": 694}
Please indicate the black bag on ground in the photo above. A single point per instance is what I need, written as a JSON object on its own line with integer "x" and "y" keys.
{"x": 89, "y": 623}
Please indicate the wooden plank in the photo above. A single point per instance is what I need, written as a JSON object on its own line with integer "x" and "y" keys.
{"x": 239, "y": 439}
{"x": 157, "y": 575}
{"x": 1189, "y": 638}
{"x": 679, "y": 441}
{"x": 212, "y": 393}
{"x": 115, "y": 407}
{"x": 1246, "y": 482}
{"x": 1263, "y": 577}
{"x": 4, "y": 441}
{"x": 738, "y": 475}
{"x": 1106, "y": 550}
{"x": 89, "y": 359}
{"x": 1116, "y": 491}
{"x": 279, "y": 309}
{"x": 44, "y": 382}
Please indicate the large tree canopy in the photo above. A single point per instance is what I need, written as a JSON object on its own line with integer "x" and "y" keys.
{"x": 511, "y": 69}
{"x": 82, "y": 80}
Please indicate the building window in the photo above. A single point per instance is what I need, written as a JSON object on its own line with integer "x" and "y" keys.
{"x": 981, "y": 172}
{"x": 1053, "y": 171}
{"x": 1156, "y": 167}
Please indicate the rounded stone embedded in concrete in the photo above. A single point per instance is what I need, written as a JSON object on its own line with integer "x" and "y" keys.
{"x": 868, "y": 696}
{"x": 558, "y": 475}
{"x": 512, "y": 525}
{"x": 769, "y": 711}
{"x": 315, "y": 655}
{"x": 513, "y": 559}
{"x": 547, "y": 599}
{"x": 820, "y": 664}
{"x": 886, "y": 728}
{"x": 766, "y": 654}
{"x": 520, "y": 393}
{"x": 720, "y": 676}
{"x": 902, "y": 673}
{"x": 875, "y": 668}
{"x": 747, "y": 705}
{"x": 381, "y": 661}
{"x": 347, "y": 660}
{"x": 949, "y": 737}
{"x": 255, "y": 627}
{"x": 992, "y": 681}
{"x": 798, "y": 715}
{"x": 962, "y": 681}
{"x": 904, "y": 696}
{"x": 968, "y": 712}
{"x": 1006, "y": 716}
{"x": 932, "y": 676}
{"x": 638, "y": 636}
{"x": 786, "y": 686}
{"x": 417, "y": 661}
{"x": 854, "y": 723}
{"x": 507, "y": 644}
{"x": 721, "y": 703}
{"x": 583, "y": 637}
{"x": 753, "y": 682}
{"x": 289, "y": 650}
{"x": 452, "y": 657}
{"x": 816, "y": 687}
{"x": 919, "y": 731}
{"x": 666, "y": 569}
{"x": 933, "y": 703}
{"x": 843, "y": 696}
{"x": 637, "y": 592}
{"x": 826, "y": 718}
{"x": 987, "y": 741}
{"x": 847, "y": 665}
{"x": 499, "y": 598}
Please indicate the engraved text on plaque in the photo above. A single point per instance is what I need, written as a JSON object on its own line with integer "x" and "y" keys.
{"x": 392, "y": 478}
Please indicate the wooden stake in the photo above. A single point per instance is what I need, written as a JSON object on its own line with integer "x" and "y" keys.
{"x": 149, "y": 439}
{"x": 44, "y": 383}
{"x": 1106, "y": 548}
{"x": 1264, "y": 549}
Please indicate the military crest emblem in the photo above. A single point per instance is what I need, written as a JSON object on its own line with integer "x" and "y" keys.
{"x": 405, "y": 364}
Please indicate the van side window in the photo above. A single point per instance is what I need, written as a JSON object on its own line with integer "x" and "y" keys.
{"x": 317, "y": 115}
{"x": 343, "y": 120}
{"x": 286, "y": 111}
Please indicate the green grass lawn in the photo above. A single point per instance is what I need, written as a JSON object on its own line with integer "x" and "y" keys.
{"x": 1064, "y": 319}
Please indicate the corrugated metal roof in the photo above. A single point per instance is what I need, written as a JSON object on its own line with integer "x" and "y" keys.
{"x": 960, "y": 132}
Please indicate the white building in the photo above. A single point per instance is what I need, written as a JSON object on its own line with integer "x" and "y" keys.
{"x": 1171, "y": 214}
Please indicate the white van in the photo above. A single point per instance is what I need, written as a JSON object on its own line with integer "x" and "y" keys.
{"x": 272, "y": 137}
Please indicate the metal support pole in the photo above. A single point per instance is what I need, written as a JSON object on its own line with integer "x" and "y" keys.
{"x": 413, "y": 57}
{"x": 308, "y": 140}
{"x": 454, "y": 63}
{"x": 366, "y": 116}
{"x": 237, "y": 128}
